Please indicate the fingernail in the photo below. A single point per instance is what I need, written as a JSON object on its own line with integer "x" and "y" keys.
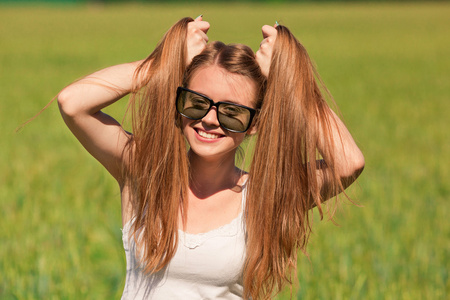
{"x": 276, "y": 22}
{"x": 199, "y": 16}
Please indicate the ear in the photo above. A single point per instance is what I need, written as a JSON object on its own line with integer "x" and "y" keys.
{"x": 252, "y": 130}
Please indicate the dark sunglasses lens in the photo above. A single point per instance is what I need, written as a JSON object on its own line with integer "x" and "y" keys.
{"x": 192, "y": 105}
{"x": 234, "y": 117}
{"x": 231, "y": 117}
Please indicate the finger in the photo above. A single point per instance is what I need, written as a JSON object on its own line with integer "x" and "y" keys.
{"x": 202, "y": 25}
{"x": 204, "y": 36}
{"x": 268, "y": 30}
{"x": 262, "y": 42}
{"x": 265, "y": 47}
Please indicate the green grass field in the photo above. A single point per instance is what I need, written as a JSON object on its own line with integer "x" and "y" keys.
{"x": 387, "y": 66}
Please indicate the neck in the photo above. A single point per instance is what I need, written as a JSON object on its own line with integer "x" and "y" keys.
{"x": 208, "y": 177}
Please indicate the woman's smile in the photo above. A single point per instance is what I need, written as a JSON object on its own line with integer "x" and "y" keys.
{"x": 208, "y": 135}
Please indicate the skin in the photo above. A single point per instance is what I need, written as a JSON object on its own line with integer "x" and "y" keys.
{"x": 215, "y": 185}
{"x": 264, "y": 53}
{"x": 219, "y": 85}
{"x": 213, "y": 197}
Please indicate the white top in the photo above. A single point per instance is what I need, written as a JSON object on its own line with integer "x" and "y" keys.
{"x": 205, "y": 266}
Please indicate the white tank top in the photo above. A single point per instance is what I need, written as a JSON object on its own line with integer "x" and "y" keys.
{"x": 205, "y": 266}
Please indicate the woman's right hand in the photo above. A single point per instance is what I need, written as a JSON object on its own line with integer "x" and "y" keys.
{"x": 196, "y": 38}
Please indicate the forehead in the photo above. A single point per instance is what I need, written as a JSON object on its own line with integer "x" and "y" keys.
{"x": 221, "y": 85}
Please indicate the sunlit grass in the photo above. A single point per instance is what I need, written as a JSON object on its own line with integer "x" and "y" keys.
{"x": 387, "y": 68}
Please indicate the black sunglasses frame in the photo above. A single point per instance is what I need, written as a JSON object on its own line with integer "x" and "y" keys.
{"x": 216, "y": 104}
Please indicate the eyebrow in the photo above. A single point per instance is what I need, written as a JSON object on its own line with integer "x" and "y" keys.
{"x": 232, "y": 102}
{"x": 227, "y": 101}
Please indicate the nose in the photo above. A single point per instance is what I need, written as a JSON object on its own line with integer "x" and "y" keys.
{"x": 211, "y": 118}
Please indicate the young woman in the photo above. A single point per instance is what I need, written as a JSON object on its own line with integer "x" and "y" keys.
{"x": 194, "y": 225}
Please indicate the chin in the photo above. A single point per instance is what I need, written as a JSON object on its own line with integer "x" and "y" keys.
{"x": 213, "y": 153}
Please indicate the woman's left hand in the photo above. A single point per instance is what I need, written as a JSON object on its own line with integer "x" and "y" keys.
{"x": 264, "y": 53}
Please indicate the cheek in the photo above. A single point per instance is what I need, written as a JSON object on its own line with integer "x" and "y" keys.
{"x": 185, "y": 123}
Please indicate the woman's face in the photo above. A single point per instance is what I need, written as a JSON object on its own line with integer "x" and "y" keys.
{"x": 205, "y": 136}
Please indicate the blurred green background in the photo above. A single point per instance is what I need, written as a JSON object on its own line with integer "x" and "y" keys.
{"x": 387, "y": 66}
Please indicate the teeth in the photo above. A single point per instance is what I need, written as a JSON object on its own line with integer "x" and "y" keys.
{"x": 207, "y": 135}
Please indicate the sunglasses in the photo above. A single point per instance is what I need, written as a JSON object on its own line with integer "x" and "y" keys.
{"x": 232, "y": 117}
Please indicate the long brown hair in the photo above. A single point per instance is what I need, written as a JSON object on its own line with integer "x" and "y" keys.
{"x": 158, "y": 167}
{"x": 283, "y": 180}
{"x": 283, "y": 183}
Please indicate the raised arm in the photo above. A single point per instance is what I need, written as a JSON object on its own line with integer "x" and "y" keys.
{"x": 81, "y": 103}
{"x": 348, "y": 159}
